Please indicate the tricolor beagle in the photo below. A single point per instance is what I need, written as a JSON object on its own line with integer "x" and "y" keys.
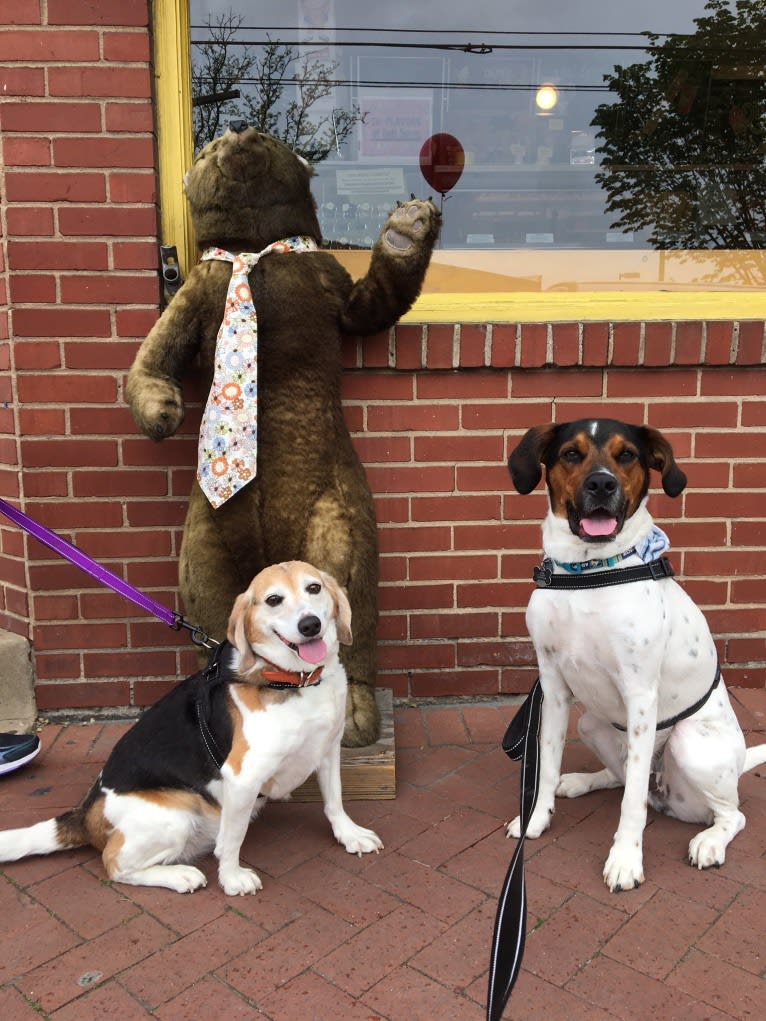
{"x": 188, "y": 777}
{"x": 639, "y": 657}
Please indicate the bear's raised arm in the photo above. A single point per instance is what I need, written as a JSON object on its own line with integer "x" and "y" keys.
{"x": 397, "y": 269}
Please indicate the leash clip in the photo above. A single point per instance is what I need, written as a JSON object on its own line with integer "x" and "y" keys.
{"x": 543, "y": 574}
{"x": 196, "y": 634}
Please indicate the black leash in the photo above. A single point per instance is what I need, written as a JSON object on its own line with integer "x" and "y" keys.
{"x": 522, "y": 742}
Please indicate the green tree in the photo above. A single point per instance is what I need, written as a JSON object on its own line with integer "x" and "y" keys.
{"x": 274, "y": 88}
{"x": 683, "y": 146}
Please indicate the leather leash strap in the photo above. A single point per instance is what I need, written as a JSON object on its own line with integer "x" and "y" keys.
{"x": 522, "y": 742}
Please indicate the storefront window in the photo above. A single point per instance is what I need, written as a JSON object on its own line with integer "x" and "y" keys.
{"x": 571, "y": 146}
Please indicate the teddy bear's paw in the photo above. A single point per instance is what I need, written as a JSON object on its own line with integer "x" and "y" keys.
{"x": 158, "y": 408}
{"x": 362, "y": 716}
{"x": 411, "y": 224}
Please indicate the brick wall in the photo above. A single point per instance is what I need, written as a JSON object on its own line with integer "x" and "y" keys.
{"x": 434, "y": 411}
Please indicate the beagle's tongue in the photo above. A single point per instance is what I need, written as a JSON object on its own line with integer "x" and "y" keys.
{"x": 313, "y": 651}
{"x": 598, "y": 525}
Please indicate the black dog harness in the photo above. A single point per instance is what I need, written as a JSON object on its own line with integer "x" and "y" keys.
{"x": 522, "y": 743}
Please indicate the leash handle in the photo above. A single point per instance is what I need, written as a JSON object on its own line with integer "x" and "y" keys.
{"x": 521, "y": 742}
{"x": 102, "y": 574}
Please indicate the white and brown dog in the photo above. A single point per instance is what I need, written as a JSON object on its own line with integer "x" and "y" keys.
{"x": 637, "y": 656}
{"x": 266, "y": 713}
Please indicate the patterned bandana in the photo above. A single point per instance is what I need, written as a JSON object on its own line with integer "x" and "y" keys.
{"x": 650, "y": 548}
{"x": 228, "y": 434}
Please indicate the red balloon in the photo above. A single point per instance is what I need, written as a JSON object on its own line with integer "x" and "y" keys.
{"x": 442, "y": 159}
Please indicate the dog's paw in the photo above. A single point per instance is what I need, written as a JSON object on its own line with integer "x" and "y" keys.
{"x": 623, "y": 870}
{"x": 239, "y": 882}
{"x": 707, "y": 850}
{"x": 538, "y": 824}
{"x": 409, "y": 225}
{"x": 183, "y": 878}
{"x": 358, "y": 840}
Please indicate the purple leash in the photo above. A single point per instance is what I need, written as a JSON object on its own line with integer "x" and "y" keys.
{"x": 103, "y": 575}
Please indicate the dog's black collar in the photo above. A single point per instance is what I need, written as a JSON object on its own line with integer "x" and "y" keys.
{"x": 664, "y": 724}
{"x": 655, "y": 570}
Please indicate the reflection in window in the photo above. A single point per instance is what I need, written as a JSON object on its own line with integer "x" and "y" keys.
{"x": 634, "y": 134}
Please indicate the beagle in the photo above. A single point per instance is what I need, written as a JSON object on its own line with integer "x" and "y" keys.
{"x": 639, "y": 657}
{"x": 188, "y": 777}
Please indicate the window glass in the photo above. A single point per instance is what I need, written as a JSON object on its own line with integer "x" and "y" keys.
{"x": 570, "y": 145}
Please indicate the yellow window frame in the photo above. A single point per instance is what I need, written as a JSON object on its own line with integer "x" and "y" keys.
{"x": 172, "y": 71}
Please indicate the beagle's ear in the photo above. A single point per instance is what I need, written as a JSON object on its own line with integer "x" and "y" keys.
{"x": 662, "y": 460}
{"x": 237, "y": 631}
{"x": 342, "y": 608}
{"x": 526, "y": 459}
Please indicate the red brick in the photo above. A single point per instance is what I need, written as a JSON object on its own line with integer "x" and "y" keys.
{"x": 461, "y": 568}
{"x": 472, "y": 345}
{"x": 29, "y": 221}
{"x": 32, "y": 289}
{"x": 436, "y": 479}
{"x": 751, "y": 343}
{"x": 375, "y": 351}
{"x": 132, "y": 13}
{"x": 427, "y": 418}
{"x": 130, "y": 483}
{"x": 556, "y": 383}
{"x": 440, "y": 342}
{"x": 718, "y": 346}
{"x": 409, "y": 346}
{"x": 458, "y": 508}
{"x": 595, "y": 343}
{"x": 658, "y": 339}
{"x": 103, "y": 152}
{"x": 100, "y": 81}
{"x": 67, "y": 389}
{"x": 97, "y": 354}
{"x": 22, "y": 81}
{"x": 68, "y": 453}
{"x": 566, "y": 344}
{"x": 367, "y": 386}
{"x": 689, "y": 343}
{"x": 53, "y": 117}
{"x": 458, "y": 448}
{"x": 49, "y": 47}
{"x": 68, "y": 255}
{"x": 61, "y": 322}
{"x": 96, "y": 221}
{"x": 27, "y": 152}
{"x": 135, "y": 255}
{"x": 670, "y": 383}
{"x": 127, "y": 47}
{"x": 39, "y": 354}
{"x": 42, "y": 421}
{"x": 112, "y": 288}
{"x": 626, "y": 341}
{"x": 483, "y": 385}
{"x": 749, "y": 382}
{"x": 137, "y": 186}
{"x": 534, "y": 345}
{"x": 47, "y": 187}
{"x": 504, "y": 343}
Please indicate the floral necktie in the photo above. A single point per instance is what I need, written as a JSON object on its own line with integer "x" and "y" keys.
{"x": 228, "y": 434}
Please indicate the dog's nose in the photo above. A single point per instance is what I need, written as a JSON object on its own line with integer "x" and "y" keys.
{"x": 600, "y": 484}
{"x": 310, "y": 626}
{"x": 238, "y": 126}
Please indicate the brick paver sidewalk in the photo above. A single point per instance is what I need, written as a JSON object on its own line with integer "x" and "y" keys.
{"x": 403, "y": 936}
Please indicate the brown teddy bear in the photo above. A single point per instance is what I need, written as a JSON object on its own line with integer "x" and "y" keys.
{"x": 278, "y": 477}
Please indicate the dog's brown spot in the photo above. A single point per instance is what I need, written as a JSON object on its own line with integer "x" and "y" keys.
{"x": 111, "y": 853}
{"x": 97, "y": 826}
{"x": 183, "y": 801}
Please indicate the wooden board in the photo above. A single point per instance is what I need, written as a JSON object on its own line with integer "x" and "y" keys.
{"x": 367, "y": 774}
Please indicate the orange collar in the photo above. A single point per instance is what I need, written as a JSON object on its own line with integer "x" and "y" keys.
{"x": 281, "y": 679}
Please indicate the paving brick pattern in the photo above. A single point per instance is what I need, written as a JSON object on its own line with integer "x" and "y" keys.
{"x": 400, "y": 936}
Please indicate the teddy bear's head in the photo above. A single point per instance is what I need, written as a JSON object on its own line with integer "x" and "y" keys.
{"x": 247, "y": 190}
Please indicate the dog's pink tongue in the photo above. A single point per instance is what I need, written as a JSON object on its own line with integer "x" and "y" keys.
{"x": 598, "y": 525}
{"x": 313, "y": 652}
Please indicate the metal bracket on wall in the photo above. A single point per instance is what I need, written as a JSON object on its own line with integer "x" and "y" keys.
{"x": 171, "y": 270}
